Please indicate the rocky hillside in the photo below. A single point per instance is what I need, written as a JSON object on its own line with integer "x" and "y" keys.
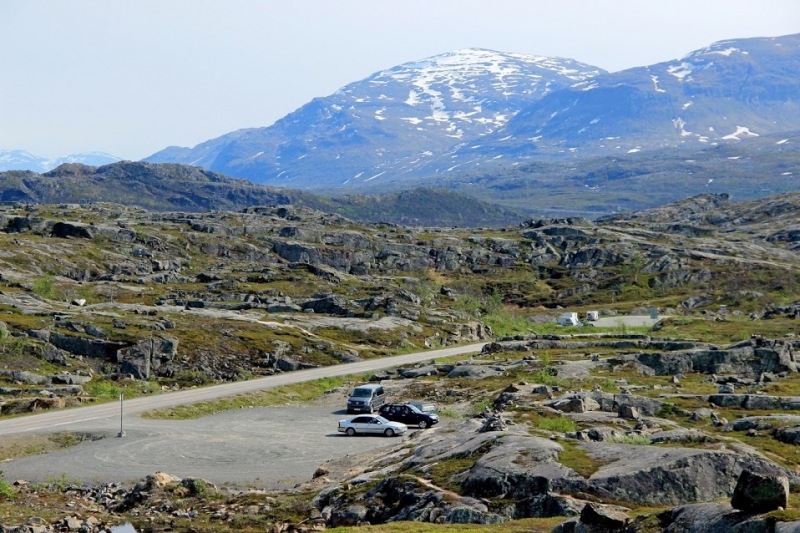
{"x": 599, "y": 185}
{"x": 608, "y": 428}
{"x": 388, "y": 123}
{"x": 728, "y": 92}
{"x": 170, "y": 186}
{"x": 470, "y": 111}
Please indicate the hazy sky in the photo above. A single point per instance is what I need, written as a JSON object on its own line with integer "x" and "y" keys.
{"x": 130, "y": 77}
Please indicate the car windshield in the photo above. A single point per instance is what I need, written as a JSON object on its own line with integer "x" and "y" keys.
{"x": 361, "y": 393}
{"x": 414, "y": 409}
{"x": 381, "y": 420}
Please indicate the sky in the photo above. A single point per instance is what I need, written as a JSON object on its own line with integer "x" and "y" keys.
{"x": 132, "y": 77}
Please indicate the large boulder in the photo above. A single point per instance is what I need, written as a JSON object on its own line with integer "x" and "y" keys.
{"x": 75, "y": 230}
{"x": 760, "y": 493}
{"x": 748, "y": 358}
{"x": 99, "y": 348}
{"x": 658, "y": 475}
{"x": 576, "y": 404}
{"x": 473, "y": 371}
{"x": 601, "y": 518}
{"x": 147, "y": 356}
{"x": 707, "y": 518}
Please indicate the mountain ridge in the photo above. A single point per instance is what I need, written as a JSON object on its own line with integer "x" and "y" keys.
{"x": 717, "y": 94}
{"x": 389, "y": 119}
{"x": 24, "y": 160}
{"x": 171, "y": 186}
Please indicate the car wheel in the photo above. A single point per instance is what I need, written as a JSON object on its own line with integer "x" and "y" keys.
{"x": 389, "y": 432}
{"x": 350, "y": 432}
{"x": 423, "y": 424}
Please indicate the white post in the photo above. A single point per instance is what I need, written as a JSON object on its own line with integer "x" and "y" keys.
{"x": 121, "y": 432}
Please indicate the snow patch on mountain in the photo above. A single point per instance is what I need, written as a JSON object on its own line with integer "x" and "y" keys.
{"x": 681, "y": 70}
{"x": 740, "y": 131}
{"x": 23, "y": 160}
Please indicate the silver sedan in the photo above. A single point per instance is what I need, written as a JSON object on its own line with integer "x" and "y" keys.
{"x": 371, "y": 425}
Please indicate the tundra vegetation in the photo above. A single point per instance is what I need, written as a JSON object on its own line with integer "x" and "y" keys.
{"x": 633, "y": 425}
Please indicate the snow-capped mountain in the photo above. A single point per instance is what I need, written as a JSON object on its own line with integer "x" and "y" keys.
{"x": 388, "y": 122}
{"x": 22, "y": 160}
{"x": 727, "y": 92}
{"x": 478, "y": 109}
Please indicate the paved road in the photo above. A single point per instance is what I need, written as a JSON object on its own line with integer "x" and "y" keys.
{"x": 72, "y": 419}
{"x": 616, "y": 321}
{"x": 271, "y": 446}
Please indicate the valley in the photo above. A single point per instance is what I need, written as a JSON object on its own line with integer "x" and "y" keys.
{"x": 545, "y": 425}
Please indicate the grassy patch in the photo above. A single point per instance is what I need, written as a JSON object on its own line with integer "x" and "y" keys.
{"x": 559, "y": 424}
{"x": 639, "y": 440}
{"x": 481, "y": 405}
{"x": 539, "y": 419}
{"x": 443, "y": 472}
{"x": 111, "y": 390}
{"x": 578, "y": 459}
{"x": 16, "y": 446}
{"x": 6, "y": 490}
{"x": 449, "y": 412}
{"x": 287, "y": 394}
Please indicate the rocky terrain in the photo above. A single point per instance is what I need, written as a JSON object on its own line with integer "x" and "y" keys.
{"x": 169, "y": 187}
{"x": 685, "y": 426}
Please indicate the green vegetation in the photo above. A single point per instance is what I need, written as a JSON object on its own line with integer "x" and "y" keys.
{"x": 58, "y": 483}
{"x": 284, "y": 395}
{"x": 560, "y": 424}
{"x": 111, "y": 390}
{"x": 6, "y": 490}
{"x": 639, "y": 440}
{"x": 578, "y": 459}
{"x": 481, "y": 406}
{"x": 442, "y": 472}
{"x": 44, "y": 286}
{"x": 447, "y": 412}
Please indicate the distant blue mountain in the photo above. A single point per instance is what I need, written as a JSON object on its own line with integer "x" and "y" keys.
{"x": 22, "y": 160}
{"x": 388, "y": 123}
{"x": 477, "y": 109}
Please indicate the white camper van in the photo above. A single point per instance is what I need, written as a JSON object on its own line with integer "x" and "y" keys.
{"x": 568, "y": 319}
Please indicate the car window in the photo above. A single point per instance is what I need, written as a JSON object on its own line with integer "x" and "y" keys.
{"x": 375, "y": 420}
{"x": 379, "y": 391}
{"x": 361, "y": 420}
{"x": 383, "y": 420}
{"x": 413, "y": 409}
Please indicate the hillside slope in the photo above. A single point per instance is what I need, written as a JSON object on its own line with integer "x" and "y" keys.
{"x": 387, "y": 123}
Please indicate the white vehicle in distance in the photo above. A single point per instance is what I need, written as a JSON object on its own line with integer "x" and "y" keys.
{"x": 371, "y": 425}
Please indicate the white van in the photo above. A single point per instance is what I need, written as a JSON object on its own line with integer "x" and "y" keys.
{"x": 569, "y": 319}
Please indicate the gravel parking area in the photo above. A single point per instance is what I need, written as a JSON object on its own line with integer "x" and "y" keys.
{"x": 269, "y": 447}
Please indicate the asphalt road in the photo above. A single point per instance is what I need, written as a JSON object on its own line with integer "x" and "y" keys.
{"x": 634, "y": 321}
{"x": 273, "y": 447}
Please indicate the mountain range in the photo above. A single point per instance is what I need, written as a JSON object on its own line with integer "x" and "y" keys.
{"x": 473, "y": 109}
{"x": 535, "y": 135}
{"x": 389, "y": 122}
{"x": 22, "y": 160}
{"x": 174, "y": 187}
